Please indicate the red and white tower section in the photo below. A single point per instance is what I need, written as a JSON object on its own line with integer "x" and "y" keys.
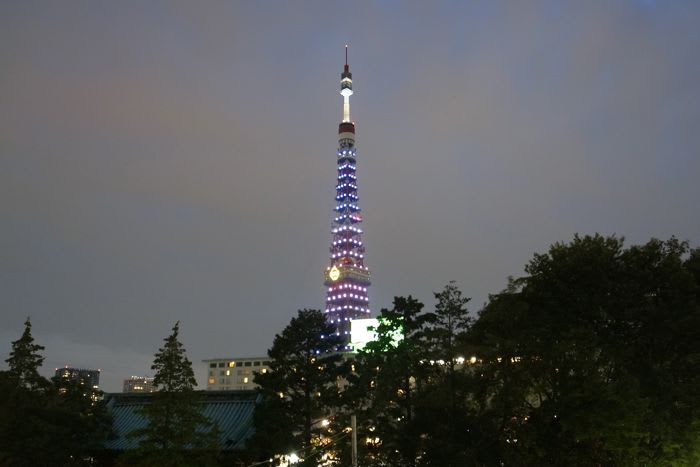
{"x": 346, "y": 277}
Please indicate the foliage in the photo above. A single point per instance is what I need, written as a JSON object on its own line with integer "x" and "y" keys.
{"x": 25, "y": 360}
{"x": 42, "y": 423}
{"x": 177, "y": 434}
{"x": 80, "y": 412}
{"x": 300, "y": 390}
{"x": 445, "y": 325}
{"x": 593, "y": 357}
{"x": 389, "y": 374}
{"x": 447, "y": 395}
{"x": 414, "y": 395}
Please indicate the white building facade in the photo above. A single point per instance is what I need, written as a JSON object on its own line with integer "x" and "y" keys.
{"x": 234, "y": 374}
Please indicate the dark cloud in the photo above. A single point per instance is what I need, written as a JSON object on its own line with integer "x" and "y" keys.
{"x": 175, "y": 161}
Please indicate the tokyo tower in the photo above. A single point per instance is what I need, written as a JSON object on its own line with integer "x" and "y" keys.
{"x": 346, "y": 277}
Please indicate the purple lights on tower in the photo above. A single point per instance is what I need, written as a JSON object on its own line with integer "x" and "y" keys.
{"x": 346, "y": 277}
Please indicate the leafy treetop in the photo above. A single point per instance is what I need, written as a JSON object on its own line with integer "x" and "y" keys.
{"x": 25, "y": 360}
{"x": 173, "y": 369}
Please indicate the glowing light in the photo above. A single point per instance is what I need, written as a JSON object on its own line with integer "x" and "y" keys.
{"x": 334, "y": 274}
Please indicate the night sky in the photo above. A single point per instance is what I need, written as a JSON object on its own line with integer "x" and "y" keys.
{"x": 164, "y": 161}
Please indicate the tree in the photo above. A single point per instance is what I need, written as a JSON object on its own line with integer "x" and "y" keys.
{"x": 23, "y": 399}
{"x": 590, "y": 358}
{"x": 300, "y": 391}
{"x": 46, "y": 423}
{"x": 447, "y": 324}
{"x": 446, "y": 410}
{"x": 177, "y": 434}
{"x": 82, "y": 423}
{"x": 415, "y": 393}
{"x": 25, "y": 361}
{"x": 389, "y": 377}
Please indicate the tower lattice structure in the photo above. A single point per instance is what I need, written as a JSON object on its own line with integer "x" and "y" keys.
{"x": 346, "y": 277}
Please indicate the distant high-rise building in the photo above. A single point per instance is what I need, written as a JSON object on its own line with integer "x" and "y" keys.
{"x": 234, "y": 374}
{"x": 346, "y": 277}
{"x": 139, "y": 384}
{"x": 92, "y": 377}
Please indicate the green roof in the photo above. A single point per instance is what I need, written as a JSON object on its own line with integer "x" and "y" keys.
{"x": 232, "y": 411}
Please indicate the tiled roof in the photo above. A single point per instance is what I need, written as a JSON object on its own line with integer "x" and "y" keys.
{"x": 232, "y": 411}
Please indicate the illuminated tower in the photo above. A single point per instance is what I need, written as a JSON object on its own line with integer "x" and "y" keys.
{"x": 346, "y": 277}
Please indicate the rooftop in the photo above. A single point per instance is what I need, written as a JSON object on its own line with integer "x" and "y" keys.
{"x": 232, "y": 411}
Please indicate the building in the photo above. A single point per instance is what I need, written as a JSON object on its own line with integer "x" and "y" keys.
{"x": 346, "y": 277}
{"x": 234, "y": 374}
{"x": 232, "y": 413}
{"x": 80, "y": 374}
{"x": 139, "y": 384}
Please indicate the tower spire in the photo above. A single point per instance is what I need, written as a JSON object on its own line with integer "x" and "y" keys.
{"x": 346, "y": 87}
{"x": 346, "y": 277}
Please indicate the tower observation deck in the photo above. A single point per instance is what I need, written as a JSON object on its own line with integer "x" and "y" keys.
{"x": 346, "y": 277}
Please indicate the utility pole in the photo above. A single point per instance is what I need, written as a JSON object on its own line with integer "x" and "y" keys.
{"x": 353, "y": 427}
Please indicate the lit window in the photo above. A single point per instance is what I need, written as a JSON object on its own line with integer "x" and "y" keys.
{"x": 212, "y": 381}
{"x": 228, "y": 372}
{"x": 245, "y": 380}
{"x": 231, "y": 364}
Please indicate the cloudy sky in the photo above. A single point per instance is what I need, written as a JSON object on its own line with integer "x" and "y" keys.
{"x": 164, "y": 161}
